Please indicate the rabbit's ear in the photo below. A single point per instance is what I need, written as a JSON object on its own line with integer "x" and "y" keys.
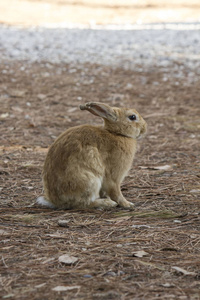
{"x": 100, "y": 109}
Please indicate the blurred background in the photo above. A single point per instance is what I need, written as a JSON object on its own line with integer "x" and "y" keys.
{"x": 97, "y": 12}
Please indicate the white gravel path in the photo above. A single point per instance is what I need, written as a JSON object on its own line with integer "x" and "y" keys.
{"x": 139, "y": 46}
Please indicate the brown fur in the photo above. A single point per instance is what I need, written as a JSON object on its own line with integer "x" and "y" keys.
{"x": 86, "y": 164}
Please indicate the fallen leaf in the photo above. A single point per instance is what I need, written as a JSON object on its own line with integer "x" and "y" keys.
{"x": 17, "y": 93}
{"x": 183, "y": 271}
{"x": 107, "y": 295}
{"x": 140, "y": 253}
{"x": 48, "y": 260}
{"x": 166, "y": 167}
{"x": 118, "y": 219}
{"x": 61, "y": 288}
{"x": 145, "y": 263}
{"x": 17, "y": 109}
{"x": 177, "y": 221}
{"x": 195, "y": 191}
{"x": 162, "y": 168}
{"x": 41, "y": 96}
{"x": 7, "y": 248}
{"x": 3, "y": 232}
{"x": 194, "y": 236}
{"x": 70, "y": 110}
{"x": 110, "y": 273}
{"x": 57, "y": 236}
{"x": 167, "y": 285}
{"x": 63, "y": 223}
{"x": 141, "y": 226}
{"x": 31, "y": 125}
{"x": 40, "y": 285}
{"x": 67, "y": 259}
{"x": 8, "y": 296}
{"x": 5, "y": 115}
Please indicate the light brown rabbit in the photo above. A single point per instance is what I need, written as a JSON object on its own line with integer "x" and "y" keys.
{"x": 86, "y": 164}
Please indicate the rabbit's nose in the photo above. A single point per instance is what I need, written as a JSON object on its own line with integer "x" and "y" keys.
{"x": 82, "y": 107}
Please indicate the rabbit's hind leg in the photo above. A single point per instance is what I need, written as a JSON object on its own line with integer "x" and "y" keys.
{"x": 42, "y": 201}
{"x": 103, "y": 203}
{"x": 96, "y": 199}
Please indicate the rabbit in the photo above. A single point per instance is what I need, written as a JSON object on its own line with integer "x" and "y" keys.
{"x": 86, "y": 164}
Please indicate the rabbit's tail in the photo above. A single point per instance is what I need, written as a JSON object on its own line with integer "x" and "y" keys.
{"x": 43, "y": 202}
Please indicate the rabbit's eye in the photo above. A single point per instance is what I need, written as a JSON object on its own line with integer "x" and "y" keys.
{"x": 132, "y": 117}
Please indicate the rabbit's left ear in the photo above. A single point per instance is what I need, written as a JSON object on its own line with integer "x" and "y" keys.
{"x": 101, "y": 110}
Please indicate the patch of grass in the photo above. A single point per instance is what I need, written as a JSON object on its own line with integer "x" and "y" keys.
{"x": 161, "y": 214}
{"x": 26, "y": 218}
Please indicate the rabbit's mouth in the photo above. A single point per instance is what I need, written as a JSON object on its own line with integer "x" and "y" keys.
{"x": 143, "y": 132}
{"x": 140, "y": 136}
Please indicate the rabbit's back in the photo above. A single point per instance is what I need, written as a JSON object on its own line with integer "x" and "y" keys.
{"x": 88, "y": 145}
{"x": 76, "y": 146}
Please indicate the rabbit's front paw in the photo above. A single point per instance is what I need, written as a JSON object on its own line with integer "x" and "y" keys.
{"x": 127, "y": 204}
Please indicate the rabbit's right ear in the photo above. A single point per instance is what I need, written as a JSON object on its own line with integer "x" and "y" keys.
{"x": 100, "y": 109}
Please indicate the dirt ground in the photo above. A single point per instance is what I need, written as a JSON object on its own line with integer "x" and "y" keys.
{"x": 39, "y": 103}
{"x": 152, "y": 252}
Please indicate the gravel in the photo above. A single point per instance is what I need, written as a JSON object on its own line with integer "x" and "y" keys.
{"x": 166, "y": 46}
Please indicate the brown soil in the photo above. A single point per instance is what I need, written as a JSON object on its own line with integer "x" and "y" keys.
{"x": 37, "y": 103}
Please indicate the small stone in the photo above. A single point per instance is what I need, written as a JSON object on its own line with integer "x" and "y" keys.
{"x": 87, "y": 276}
{"x": 67, "y": 259}
{"x": 110, "y": 273}
{"x": 63, "y": 223}
{"x": 129, "y": 86}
